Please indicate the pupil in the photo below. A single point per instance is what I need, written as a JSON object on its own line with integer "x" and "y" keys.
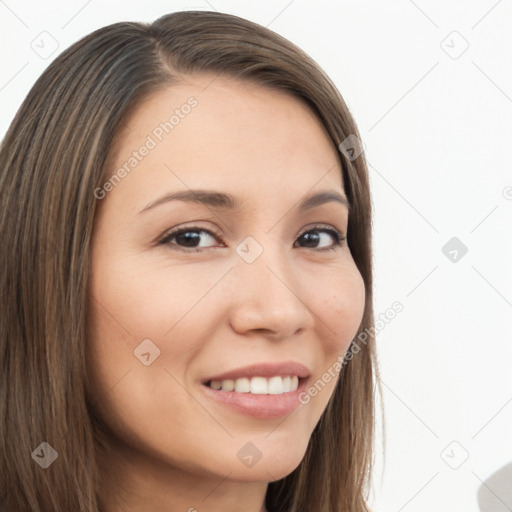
{"x": 189, "y": 240}
{"x": 311, "y": 237}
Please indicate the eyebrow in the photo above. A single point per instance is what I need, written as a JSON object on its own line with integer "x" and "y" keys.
{"x": 221, "y": 200}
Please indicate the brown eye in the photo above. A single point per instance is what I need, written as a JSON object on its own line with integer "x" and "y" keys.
{"x": 188, "y": 238}
{"x": 313, "y": 237}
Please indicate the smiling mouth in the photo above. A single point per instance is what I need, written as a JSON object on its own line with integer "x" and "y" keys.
{"x": 257, "y": 385}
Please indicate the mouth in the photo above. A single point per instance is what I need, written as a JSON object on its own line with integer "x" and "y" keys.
{"x": 263, "y": 391}
{"x": 255, "y": 402}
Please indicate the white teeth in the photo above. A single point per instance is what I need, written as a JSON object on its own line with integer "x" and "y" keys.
{"x": 275, "y": 385}
{"x": 242, "y": 385}
{"x": 228, "y": 385}
{"x": 258, "y": 385}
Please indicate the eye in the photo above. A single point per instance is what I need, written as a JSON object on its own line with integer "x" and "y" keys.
{"x": 189, "y": 239}
{"x": 313, "y": 236}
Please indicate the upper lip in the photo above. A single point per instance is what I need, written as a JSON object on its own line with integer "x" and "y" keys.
{"x": 263, "y": 370}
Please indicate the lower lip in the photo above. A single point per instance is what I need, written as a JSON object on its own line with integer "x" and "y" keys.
{"x": 258, "y": 406}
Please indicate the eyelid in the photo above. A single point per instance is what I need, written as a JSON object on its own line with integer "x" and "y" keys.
{"x": 320, "y": 225}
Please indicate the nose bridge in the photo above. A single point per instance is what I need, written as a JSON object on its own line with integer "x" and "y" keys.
{"x": 264, "y": 265}
{"x": 268, "y": 297}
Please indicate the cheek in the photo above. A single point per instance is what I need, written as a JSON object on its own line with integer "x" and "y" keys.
{"x": 341, "y": 306}
{"x": 131, "y": 302}
{"x": 133, "y": 312}
{"x": 143, "y": 301}
{"x": 340, "y": 303}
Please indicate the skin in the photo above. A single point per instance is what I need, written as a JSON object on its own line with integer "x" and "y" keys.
{"x": 171, "y": 448}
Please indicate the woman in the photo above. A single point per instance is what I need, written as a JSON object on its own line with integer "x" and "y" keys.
{"x": 186, "y": 224}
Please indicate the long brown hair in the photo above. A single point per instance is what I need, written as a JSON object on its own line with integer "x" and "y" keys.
{"x": 52, "y": 159}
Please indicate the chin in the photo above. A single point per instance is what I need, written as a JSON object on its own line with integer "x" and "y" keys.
{"x": 273, "y": 466}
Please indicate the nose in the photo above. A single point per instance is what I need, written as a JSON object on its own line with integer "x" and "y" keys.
{"x": 269, "y": 298}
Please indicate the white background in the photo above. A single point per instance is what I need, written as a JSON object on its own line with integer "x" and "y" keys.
{"x": 437, "y": 125}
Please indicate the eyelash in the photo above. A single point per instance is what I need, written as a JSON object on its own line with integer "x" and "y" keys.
{"x": 338, "y": 238}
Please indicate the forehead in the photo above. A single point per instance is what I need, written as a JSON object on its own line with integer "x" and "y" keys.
{"x": 208, "y": 132}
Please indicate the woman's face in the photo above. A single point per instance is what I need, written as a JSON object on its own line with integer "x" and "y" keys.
{"x": 269, "y": 287}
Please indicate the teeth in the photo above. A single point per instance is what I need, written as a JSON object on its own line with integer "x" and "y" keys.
{"x": 217, "y": 384}
{"x": 242, "y": 386}
{"x": 258, "y": 385}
